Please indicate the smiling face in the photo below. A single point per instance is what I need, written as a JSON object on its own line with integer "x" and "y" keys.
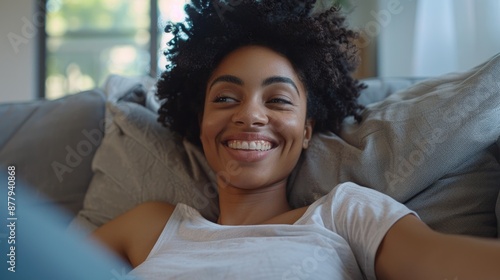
{"x": 254, "y": 123}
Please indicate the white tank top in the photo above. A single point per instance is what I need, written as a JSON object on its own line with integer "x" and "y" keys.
{"x": 336, "y": 238}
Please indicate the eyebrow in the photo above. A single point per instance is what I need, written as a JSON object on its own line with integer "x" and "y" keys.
{"x": 271, "y": 80}
{"x": 227, "y": 78}
{"x": 280, "y": 79}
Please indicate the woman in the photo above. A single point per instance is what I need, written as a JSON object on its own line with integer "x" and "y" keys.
{"x": 251, "y": 83}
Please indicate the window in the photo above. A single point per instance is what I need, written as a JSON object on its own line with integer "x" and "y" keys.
{"x": 86, "y": 41}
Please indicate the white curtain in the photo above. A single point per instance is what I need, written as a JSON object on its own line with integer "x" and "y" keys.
{"x": 454, "y": 35}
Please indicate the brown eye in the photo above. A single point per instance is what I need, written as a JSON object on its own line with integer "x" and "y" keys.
{"x": 223, "y": 99}
{"x": 280, "y": 101}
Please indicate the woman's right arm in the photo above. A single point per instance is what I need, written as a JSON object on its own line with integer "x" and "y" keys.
{"x": 412, "y": 250}
{"x": 133, "y": 234}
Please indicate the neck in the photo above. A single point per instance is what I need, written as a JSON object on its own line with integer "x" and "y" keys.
{"x": 251, "y": 207}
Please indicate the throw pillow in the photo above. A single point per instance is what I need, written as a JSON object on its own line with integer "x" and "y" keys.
{"x": 140, "y": 160}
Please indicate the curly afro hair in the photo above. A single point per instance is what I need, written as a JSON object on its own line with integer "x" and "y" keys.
{"x": 319, "y": 45}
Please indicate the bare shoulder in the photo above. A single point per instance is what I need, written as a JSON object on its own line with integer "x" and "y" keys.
{"x": 133, "y": 234}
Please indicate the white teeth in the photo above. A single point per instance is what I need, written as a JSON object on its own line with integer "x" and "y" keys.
{"x": 259, "y": 145}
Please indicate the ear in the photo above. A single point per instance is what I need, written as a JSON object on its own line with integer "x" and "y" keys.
{"x": 308, "y": 131}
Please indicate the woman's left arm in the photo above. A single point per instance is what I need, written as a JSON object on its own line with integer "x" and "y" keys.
{"x": 411, "y": 250}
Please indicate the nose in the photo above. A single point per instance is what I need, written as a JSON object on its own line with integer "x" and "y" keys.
{"x": 250, "y": 113}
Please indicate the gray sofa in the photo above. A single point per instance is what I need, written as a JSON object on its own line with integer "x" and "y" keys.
{"x": 431, "y": 144}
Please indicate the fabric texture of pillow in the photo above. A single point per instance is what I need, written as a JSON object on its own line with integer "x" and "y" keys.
{"x": 430, "y": 146}
{"x": 52, "y": 143}
{"x": 140, "y": 160}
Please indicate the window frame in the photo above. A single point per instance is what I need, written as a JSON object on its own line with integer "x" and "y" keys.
{"x": 41, "y": 9}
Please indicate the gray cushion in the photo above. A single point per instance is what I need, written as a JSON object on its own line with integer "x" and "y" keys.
{"x": 380, "y": 88}
{"x": 52, "y": 143}
{"x": 429, "y": 146}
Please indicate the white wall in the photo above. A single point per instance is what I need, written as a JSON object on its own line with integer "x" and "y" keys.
{"x": 18, "y": 67}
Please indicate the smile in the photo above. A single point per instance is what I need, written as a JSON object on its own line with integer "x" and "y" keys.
{"x": 259, "y": 145}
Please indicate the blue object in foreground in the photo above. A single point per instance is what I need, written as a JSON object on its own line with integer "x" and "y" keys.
{"x": 34, "y": 244}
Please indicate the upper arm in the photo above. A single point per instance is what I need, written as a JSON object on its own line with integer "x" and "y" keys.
{"x": 411, "y": 250}
{"x": 133, "y": 234}
{"x": 404, "y": 249}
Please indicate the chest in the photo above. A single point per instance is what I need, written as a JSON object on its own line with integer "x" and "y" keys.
{"x": 303, "y": 253}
